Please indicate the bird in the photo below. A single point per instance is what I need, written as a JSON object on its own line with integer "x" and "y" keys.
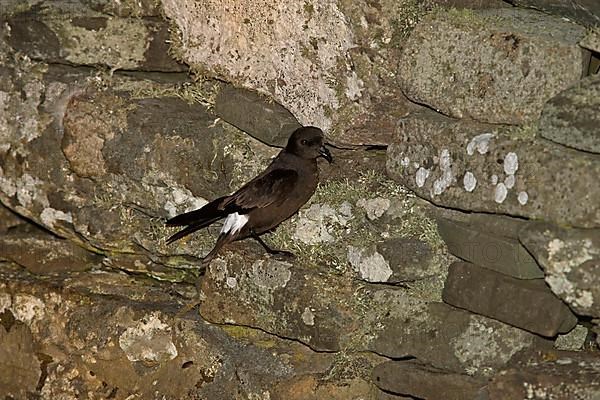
{"x": 266, "y": 201}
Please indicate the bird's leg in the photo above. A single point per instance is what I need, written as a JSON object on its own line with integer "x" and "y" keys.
{"x": 270, "y": 250}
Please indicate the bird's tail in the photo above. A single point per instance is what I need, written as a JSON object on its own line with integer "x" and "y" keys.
{"x": 197, "y": 219}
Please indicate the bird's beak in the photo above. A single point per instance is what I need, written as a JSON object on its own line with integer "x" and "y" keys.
{"x": 324, "y": 152}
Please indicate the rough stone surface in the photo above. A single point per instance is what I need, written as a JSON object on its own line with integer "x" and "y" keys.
{"x": 48, "y": 35}
{"x": 9, "y": 219}
{"x": 315, "y": 308}
{"x": 42, "y": 253}
{"x": 526, "y": 304}
{"x": 456, "y": 340}
{"x": 424, "y": 382}
{"x": 266, "y": 121}
{"x": 571, "y": 260}
{"x": 53, "y": 346}
{"x": 490, "y": 65}
{"x": 500, "y": 254}
{"x": 551, "y": 375}
{"x": 571, "y": 118}
{"x": 409, "y": 259}
{"x": 586, "y": 12}
{"x": 332, "y": 64}
{"x": 432, "y": 155}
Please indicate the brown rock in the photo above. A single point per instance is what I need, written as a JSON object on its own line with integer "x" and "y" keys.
{"x": 550, "y": 375}
{"x": 500, "y": 254}
{"x": 526, "y": 304}
{"x": 424, "y": 382}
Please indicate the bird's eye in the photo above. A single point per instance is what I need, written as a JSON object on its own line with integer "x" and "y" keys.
{"x": 304, "y": 142}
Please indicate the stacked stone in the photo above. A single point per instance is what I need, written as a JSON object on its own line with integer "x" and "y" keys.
{"x": 513, "y": 156}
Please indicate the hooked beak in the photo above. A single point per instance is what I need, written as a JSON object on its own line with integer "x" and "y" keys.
{"x": 324, "y": 152}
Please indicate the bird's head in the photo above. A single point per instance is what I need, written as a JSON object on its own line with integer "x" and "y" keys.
{"x": 307, "y": 142}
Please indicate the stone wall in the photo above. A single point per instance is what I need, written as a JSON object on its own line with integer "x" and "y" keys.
{"x": 450, "y": 252}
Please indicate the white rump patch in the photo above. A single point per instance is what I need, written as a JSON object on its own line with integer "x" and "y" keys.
{"x": 233, "y": 223}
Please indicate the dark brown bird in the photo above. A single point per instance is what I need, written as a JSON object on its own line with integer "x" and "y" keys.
{"x": 267, "y": 200}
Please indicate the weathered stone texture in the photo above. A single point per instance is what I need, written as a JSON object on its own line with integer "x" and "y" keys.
{"x": 490, "y": 65}
{"x": 572, "y": 119}
{"x": 571, "y": 261}
{"x": 586, "y": 12}
{"x": 424, "y": 382}
{"x": 477, "y": 167}
{"x": 452, "y": 339}
{"x": 526, "y": 304}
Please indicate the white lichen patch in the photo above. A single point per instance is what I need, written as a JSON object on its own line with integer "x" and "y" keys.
{"x": 231, "y": 282}
{"x": 405, "y": 162}
{"x": 50, "y": 215}
{"x": 354, "y": 86}
{"x": 509, "y": 181}
{"x": 182, "y": 200}
{"x": 271, "y": 274}
{"x": 375, "y": 208}
{"x": 308, "y": 317}
{"x": 149, "y": 341}
{"x": 481, "y": 143}
{"x": 314, "y": 224}
{"x": 486, "y": 344}
{"x": 447, "y": 178}
{"x": 370, "y": 267}
{"x": 500, "y": 193}
{"x": 511, "y": 163}
{"x": 522, "y": 198}
{"x": 563, "y": 257}
{"x": 469, "y": 181}
{"x": 27, "y": 308}
{"x": 494, "y": 179}
{"x": 7, "y": 186}
{"x": 27, "y": 191}
{"x": 421, "y": 176}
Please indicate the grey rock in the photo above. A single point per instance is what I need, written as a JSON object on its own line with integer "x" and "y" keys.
{"x": 571, "y": 118}
{"x": 424, "y": 382}
{"x": 571, "y": 260}
{"x": 254, "y": 114}
{"x": 526, "y": 304}
{"x": 574, "y": 340}
{"x": 452, "y": 339}
{"x": 585, "y": 12}
{"x": 490, "y": 65}
{"x": 478, "y": 167}
{"x": 48, "y": 36}
{"x": 497, "y": 253}
{"x": 409, "y": 259}
{"x": 553, "y": 374}
{"x": 492, "y": 224}
{"x": 9, "y": 219}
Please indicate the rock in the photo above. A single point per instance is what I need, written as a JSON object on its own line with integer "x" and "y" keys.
{"x": 424, "y": 382}
{"x": 552, "y": 375}
{"x": 265, "y": 120}
{"x": 9, "y": 219}
{"x": 574, "y": 340}
{"x": 123, "y": 8}
{"x": 20, "y": 364}
{"x": 41, "y": 253}
{"x": 370, "y": 267}
{"x": 490, "y": 65}
{"x": 500, "y": 254}
{"x": 48, "y": 36}
{"x": 571, "y": 117}
{"x": 526, "y": 304}
{"x": 409, "y": 259}
{"x": 106, "y": 332}
{"x": 585, "y": 12}
{"x": 478, "y": 167}
{"x": 571, "y": 261}
{"x": 102, "y": 162}
{"x": 456, "y": 340}
{"x": 492, "y": 224}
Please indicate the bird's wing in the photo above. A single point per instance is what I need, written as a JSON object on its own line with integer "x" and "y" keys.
{"x": 272, "y": 187}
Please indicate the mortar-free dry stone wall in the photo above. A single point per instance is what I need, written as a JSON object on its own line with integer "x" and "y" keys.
{"x": 452, "y": 251}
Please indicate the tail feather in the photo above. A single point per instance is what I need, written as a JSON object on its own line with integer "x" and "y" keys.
{"x": 196, "y": 219}
{"x": 209, "y": 211}
{"x": 191, "y": 229}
